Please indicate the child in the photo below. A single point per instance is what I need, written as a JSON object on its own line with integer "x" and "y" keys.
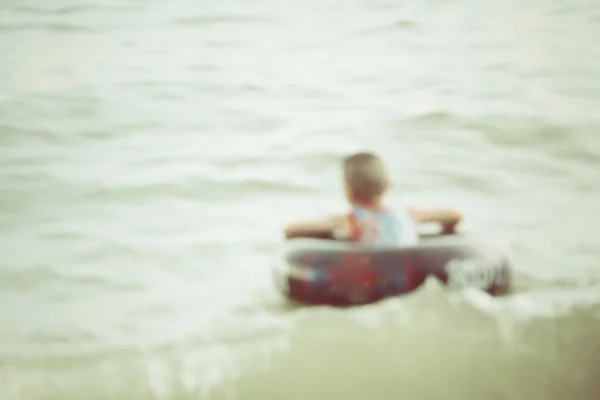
{"x": 369, "y": 220}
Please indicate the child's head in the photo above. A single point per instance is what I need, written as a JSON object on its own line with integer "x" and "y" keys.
{"x": 365, "y": 177}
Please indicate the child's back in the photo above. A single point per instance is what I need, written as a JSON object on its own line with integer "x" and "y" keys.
{"x": 378, "y": 225}
{"x": 369, "y": 221}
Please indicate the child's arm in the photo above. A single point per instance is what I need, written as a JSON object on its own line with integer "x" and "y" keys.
{"x": 448, "y": 218}
{"x": 319, "y": 228}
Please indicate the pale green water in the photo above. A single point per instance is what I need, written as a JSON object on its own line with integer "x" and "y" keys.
{"x": 150, "y": 152}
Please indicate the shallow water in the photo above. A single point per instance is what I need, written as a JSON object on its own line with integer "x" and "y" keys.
{"x": 151, "y": 151}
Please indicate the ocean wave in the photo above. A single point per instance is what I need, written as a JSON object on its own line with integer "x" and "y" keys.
{"x": 49, "y": 9}
{"x": 55, "y": 27}
{"x": 220, "y": 19}
{"x": 398, "y": 25}
{"x": 438, "y": 116}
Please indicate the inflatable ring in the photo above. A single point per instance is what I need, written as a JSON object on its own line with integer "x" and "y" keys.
{"x": 321, "y": 271}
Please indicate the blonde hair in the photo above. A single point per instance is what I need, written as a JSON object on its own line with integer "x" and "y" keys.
{"x": 365, "y": 175}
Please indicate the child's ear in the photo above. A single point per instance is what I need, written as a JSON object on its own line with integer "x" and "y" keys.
{"x": 348, "y": 192}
